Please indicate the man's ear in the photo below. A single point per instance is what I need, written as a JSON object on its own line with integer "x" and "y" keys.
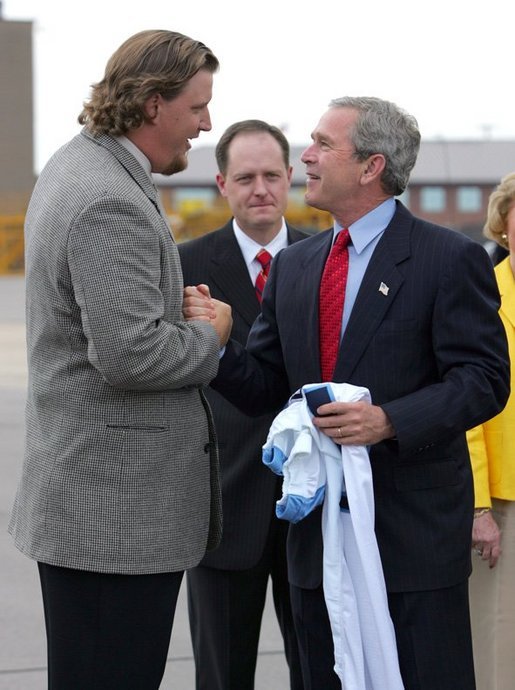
{"x": 220, "y": 182}
{"x": 151, "y": 106}
{"x": 373, "y": 168}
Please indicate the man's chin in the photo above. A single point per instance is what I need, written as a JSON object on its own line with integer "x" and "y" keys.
{"x": 311, "y": 200}
{"x": 263, "y": 222}
{"x": 308, "y": 198}
{"x": 177, "y": 165}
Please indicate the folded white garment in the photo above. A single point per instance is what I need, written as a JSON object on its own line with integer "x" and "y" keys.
{"x": 316, "y": 470}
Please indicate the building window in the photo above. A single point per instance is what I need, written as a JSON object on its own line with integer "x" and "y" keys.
{"x": 432, "y": 199}
{"x": 469, "y": 199}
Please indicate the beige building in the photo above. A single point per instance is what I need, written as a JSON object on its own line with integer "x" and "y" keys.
{"x": 16, "y": 139}
{"x": 16, "y": 116}
{"x": 450, "y": 186}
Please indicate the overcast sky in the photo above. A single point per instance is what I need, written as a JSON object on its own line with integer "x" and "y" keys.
{"x": 449, "y": 62}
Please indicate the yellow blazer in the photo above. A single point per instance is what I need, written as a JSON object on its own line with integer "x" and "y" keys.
{"x": 492, "y": 444}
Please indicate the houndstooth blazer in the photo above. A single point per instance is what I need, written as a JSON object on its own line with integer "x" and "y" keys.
{"x": 120, "y": 472}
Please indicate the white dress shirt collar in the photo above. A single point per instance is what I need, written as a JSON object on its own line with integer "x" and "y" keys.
{"x": 137, "y": 153}
{"x": 249, "y": 247}
{"x": 369, "y": 226}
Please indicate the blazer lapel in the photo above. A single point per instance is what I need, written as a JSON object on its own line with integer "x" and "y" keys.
{"x": 380, "y": 285}
{"x": 229, "y": 273}
{"x": 307, "y": 287}
{"x": 505, "y": 282}
{"x": 127, "y": 160}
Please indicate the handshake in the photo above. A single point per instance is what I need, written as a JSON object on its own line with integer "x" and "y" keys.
{"x": 198, "y": 305}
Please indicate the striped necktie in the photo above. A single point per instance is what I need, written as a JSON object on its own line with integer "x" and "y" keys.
{"x": 332, "y": 297}
{"x": 264, "y": 259}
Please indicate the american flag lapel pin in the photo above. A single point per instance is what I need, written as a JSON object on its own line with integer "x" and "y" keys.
{"x": 383, "y": 288}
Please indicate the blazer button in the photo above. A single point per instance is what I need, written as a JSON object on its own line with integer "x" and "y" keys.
{"x": 207, "y": 448}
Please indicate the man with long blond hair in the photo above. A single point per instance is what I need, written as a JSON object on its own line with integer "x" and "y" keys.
{"x": 119, "y": 492}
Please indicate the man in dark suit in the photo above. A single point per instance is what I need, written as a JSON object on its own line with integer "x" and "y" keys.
{"x": 419, "y": 329}
{"x": 226, "y": 593}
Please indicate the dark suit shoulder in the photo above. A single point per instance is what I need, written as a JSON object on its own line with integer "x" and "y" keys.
{"x": 428, "y": 230}
{"x": 307, "y": 244}
{"x": 223, "y": 238}
{"x": 204, "y": 243}
{"x": 295, "y": 235}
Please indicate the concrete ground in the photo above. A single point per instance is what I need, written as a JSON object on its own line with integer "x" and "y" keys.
{"x": 22, "y": 633}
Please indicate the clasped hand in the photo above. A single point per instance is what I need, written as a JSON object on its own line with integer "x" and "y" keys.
{"x": 198, "y": 305}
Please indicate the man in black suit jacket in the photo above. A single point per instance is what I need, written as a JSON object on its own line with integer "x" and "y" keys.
{"x": 420, "y": 330}
{"x": 226, "y": 593}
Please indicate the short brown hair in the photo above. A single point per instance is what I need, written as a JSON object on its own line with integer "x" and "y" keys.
{"x": 154, "y": 61}
{"x": 248, "y": 126}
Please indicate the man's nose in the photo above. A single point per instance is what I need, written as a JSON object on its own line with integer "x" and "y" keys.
{"x": 307, "y": 154}
{"x": 260, "y": 187}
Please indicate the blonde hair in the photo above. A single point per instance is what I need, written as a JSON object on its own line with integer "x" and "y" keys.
{"x": 499, "y": 205}
{"x": 154, "y": 61}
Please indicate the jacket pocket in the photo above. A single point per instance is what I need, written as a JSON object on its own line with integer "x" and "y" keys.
{"x": 137, "y": 427}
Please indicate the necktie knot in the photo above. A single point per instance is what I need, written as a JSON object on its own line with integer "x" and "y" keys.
{"x": 342, "y": 240}
{"x": 264, "y": 259}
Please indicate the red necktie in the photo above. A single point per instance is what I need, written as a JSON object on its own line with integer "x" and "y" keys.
{"x": 332, "y": 296}
{"x": 264, "y": 259}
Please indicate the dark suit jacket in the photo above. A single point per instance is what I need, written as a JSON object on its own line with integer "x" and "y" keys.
{"x": 249, "y": 490}
{"x": 433, "y": 354}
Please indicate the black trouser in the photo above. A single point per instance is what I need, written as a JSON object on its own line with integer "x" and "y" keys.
{"x": 432, "y": 628}
{"x": 107, "y": 632}
{"x": 226, "y": 608}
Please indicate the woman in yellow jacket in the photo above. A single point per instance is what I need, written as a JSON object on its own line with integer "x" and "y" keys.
{"x": 492, "y": 451}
